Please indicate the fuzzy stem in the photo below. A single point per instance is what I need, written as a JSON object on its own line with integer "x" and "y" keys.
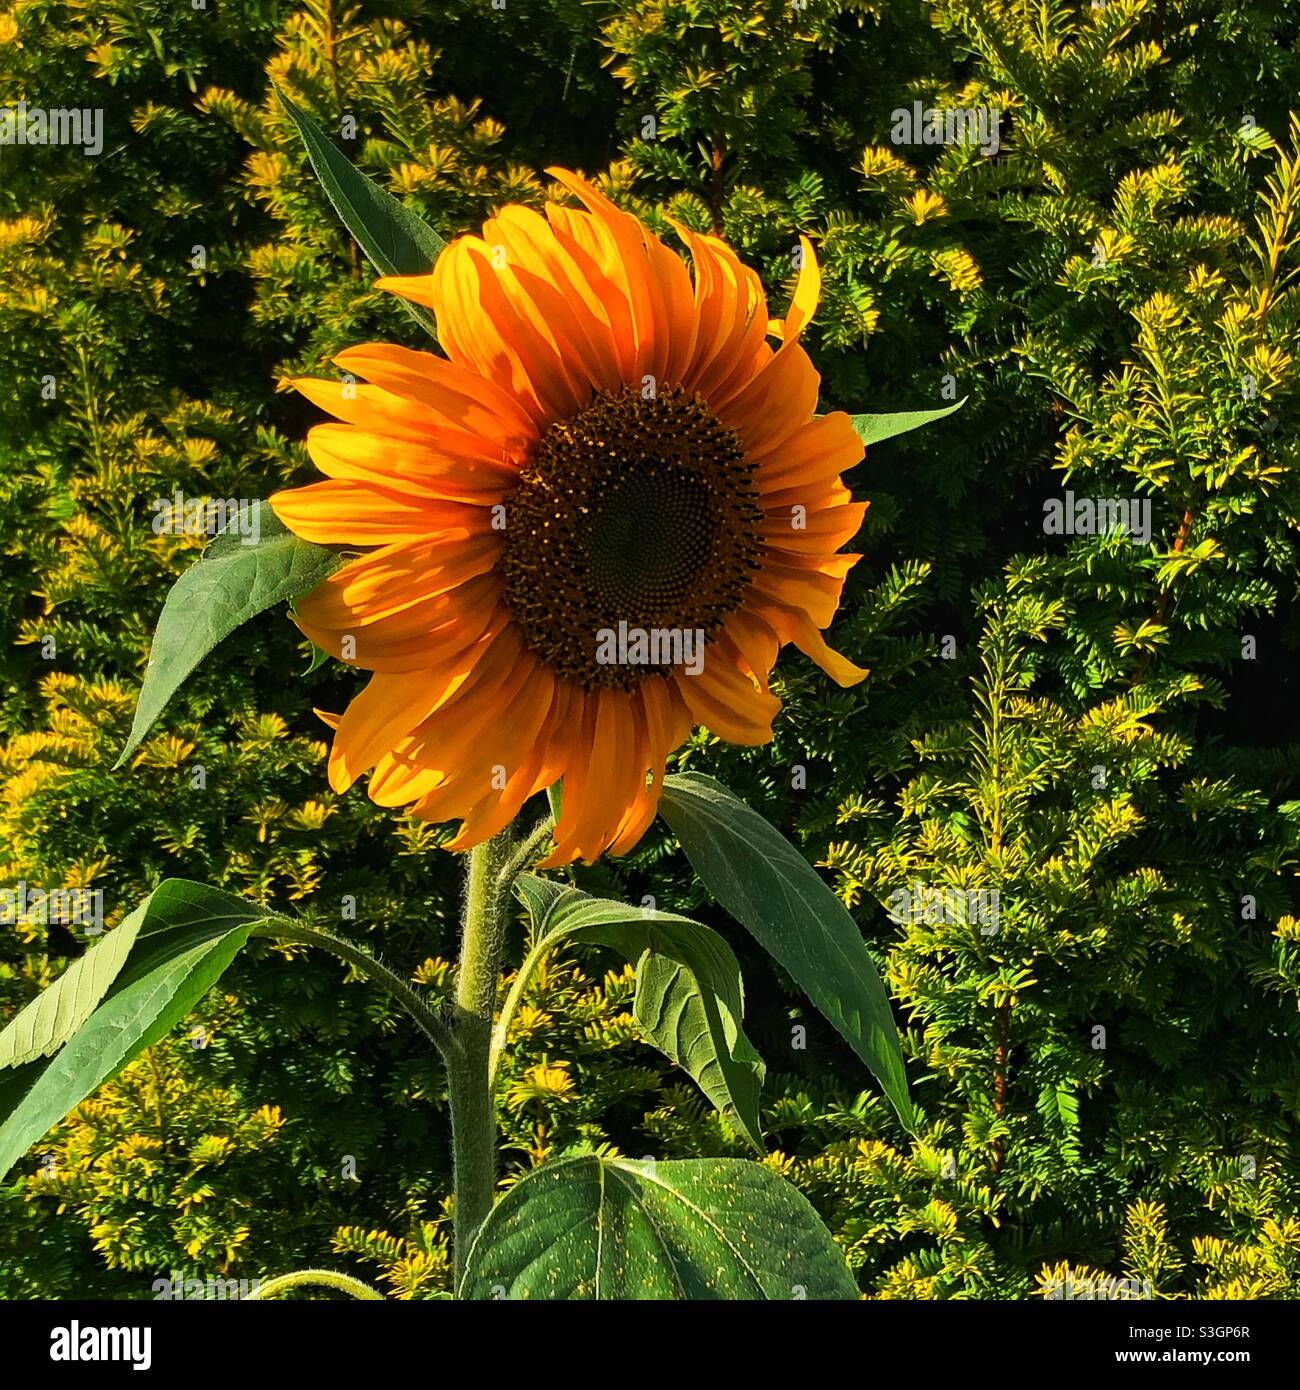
{"x": 473, "y": 1118}
{"x": 281, "y": 929}
{"x": 328, "y": 1278}
{"x": 526, "y": 854}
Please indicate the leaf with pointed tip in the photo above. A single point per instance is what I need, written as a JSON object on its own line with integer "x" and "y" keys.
{"x": 689, "y": 1000}
{"x": 874, "y": 429}
{"x": 540, "y": 895}
{"x": 698, "y": 1030}
{"x": 763, "y": 881}
{"x": 396, "y": 240}
{"x": 228, "y": 584}
{"x": 318, "y": 659}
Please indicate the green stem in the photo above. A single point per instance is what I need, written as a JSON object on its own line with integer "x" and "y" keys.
{"x": 527, "y": 854}
{"x": 501, "y": 1032}
{"x": 433, "y": 1026}
{"x": 473, "y": 1117}
{"x": 345, "y": 1283}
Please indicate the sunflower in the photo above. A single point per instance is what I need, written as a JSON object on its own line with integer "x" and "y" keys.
{"x": 589, "y": 527}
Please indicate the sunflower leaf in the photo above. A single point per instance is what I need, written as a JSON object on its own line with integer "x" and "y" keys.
{"x": 597, "y": 1228}
{"x": 698, "y": 1030}
{"x": 759, "y": 877}
{"x": 318, "y": 658}
{"x": 229, "y": 583}
{"x": 538, "y": 895}
{"x": 396, "y": 240}
{"x": 689, "y": 998}
{"x": 177, "y": 944}
{"x": 874, "y": 429}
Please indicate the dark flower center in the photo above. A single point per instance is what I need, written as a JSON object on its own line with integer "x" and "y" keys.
{"x": 638, "y": 515}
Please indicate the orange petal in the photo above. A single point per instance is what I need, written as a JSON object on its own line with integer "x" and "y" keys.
{"x": 817, "y": 451}
{"x": 388, "y": 709}
{"x": 642, "y": 795}
{"x": 776, "y": 404}
{"x": 812, "y": 497}
{"x": 374, "y": 408}
{"x": 348, "y": 513}
{"x": 664, "y": 722}
{"x": 395, "y": 578}
{"x": 424, "y": 468}
{"x": 562, "y": 292}
{"x": 726, "y": 700}
{"x": 760, "y": 383}
{"x": 489, "y": 326}
{"x": 530, "y": 752}
{"x": 756, "y": 642}
{"x": 815, "y": 589}
{"x": 821, "y": 533}
{"x": 652, "y": 279}
{"x": 479, "y": 741}
{"x": 418, "y": 637}
{"x": 459, "y": 400}
{"x": 417, "y": 288}
{"x": 592, "y": 247}
{"x": 599, "y": 783}
{"x": 807, "y": 291}
{"x": 794, "y": 626}
{"x": 731, "y": 317}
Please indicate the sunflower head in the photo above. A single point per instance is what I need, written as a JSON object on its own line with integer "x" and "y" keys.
{"x": 591, "y": 525}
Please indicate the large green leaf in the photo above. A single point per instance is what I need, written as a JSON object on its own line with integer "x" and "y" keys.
{"x": 873, "y": 429}
{"x": 689, "y": 1001}
{"x": 229, "y": 583}
{"x": 698, "y": 1030}
{"x": 181, "y": 938}
{"x": 607, "y": 1228}
{"x": 763, "y": 881}
{"x": 392, "y": 236}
